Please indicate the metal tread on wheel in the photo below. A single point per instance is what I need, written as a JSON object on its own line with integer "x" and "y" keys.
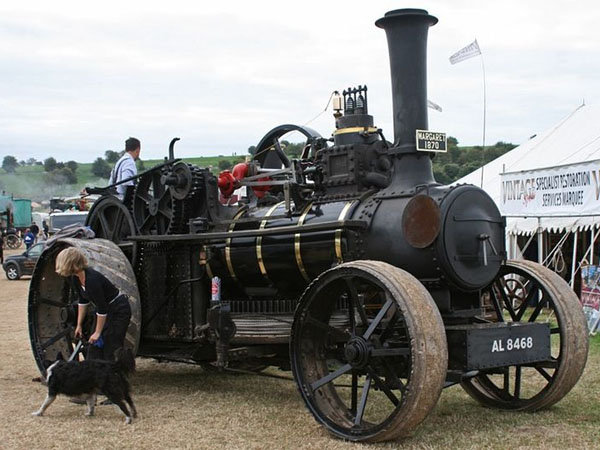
{"x": 52, "y": 307}
{"x": 543, "y": 297}
{"x": 368, "y": 351}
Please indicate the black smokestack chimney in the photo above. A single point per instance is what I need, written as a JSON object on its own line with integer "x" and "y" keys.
{"x": 406, "y": 31}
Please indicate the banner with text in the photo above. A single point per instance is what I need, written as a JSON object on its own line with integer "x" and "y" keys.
{"x": 566, "y": 190}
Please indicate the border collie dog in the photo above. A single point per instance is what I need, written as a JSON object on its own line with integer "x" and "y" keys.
{"x": 88, "y": 378}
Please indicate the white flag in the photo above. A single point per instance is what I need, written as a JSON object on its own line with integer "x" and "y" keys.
{"x": 434, "y": 106}
{"x": 465, "y": 53}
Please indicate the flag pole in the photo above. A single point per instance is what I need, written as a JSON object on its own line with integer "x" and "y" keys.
{"x": 484, "y": 117}
{"x": 468, "y": 52}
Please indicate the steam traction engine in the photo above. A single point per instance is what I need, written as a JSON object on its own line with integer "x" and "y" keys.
{"x": 376, "y": 285}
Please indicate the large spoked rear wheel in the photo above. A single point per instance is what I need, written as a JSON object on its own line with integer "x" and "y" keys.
{"x": 368, "y": 351}
{"x": 528, "y": 292}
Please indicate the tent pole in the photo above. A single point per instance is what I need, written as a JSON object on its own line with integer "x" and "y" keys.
{"x": 540, "y": 242}
{"x": 513, "y": 246}
{"x": 574, "y": 262}
{"x": 593, "y": 238}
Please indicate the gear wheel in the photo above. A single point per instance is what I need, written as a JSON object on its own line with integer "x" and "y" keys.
{"x": 187, "y": 208}
{"x": 165, "y": 199}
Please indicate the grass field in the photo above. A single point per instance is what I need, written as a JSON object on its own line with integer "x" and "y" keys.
{"x": 184, "y": 407}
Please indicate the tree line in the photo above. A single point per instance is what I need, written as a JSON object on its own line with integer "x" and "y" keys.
{"x": 447, "y": 167}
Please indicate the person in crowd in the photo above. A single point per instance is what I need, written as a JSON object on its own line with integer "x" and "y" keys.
{"x": 113, "y": 312}
{"x": 45, "y": 229}
{"x": 35, "y": 230}
{"x": 1, "y": 246}
{"x": 28, "y": 238}
{"x": 125, "y": 166}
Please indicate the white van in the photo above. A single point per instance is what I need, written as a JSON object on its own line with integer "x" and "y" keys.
{"x": 60, "y": 220}
{"x": 38, "y": 218}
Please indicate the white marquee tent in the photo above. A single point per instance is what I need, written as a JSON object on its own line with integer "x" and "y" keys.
{"x": 575, "y": 139}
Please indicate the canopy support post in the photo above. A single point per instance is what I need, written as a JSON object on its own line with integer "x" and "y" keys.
{"x": 574, "y": 262}
{"x": 540, "y": 241}
{"x": 593, "y": 239}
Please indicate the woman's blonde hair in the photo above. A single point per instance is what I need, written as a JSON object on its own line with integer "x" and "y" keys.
{"x": 70, "y": 261}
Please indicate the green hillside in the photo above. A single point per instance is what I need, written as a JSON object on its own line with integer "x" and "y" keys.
{"x": 31, "y": 181}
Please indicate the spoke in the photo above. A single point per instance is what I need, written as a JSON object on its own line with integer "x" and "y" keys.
{"x": 389, "y": 373}
{"x": 355, "y": 300}
{"x": 117, "y": 226}
{"x": 494, "y": 389}
{"x": 351, "y": 317}
{"x": 381, "y": 385}
{"x": 46, "y": 301}
{"x": 538, "y": 309}
{"x": 330, "y": 377}
{"x": 523, "y": 307}
{"x": 543, "y": 373}
{"x": 104, "y": 224}
{"x": 378, "y": 318}
{"x": 517, "y": 382}
{"x": 55, "y": 338}
{"x": 555, "y": 330}
{"x": 363, "y": 401}
{"x": 389, "y": 328}
{"x": 354, "y": 399}
{"x": 340, "y": 334}
{"x": 496, "y": 304}
{"x": 157, "y": 187}
{"x": 147, "y": 224}
{"x": 165, "y": 211}
{"x": 143, "y": 196}
{"x": 551, "y": 363}
{"x": 507, "y": 304}
{"x": 506, "y": 382}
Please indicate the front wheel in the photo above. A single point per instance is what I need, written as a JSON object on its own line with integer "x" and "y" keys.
{"x": 368, "y": 351}
{"x": 528, "y": 292}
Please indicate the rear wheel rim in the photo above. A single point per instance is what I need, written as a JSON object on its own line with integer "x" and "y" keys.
{"x": 538, "y": 385}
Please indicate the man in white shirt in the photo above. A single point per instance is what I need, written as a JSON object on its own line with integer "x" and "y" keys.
{"x": 125, "y": 166}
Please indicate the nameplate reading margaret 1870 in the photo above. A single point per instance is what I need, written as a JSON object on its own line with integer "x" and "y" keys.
{"x": 430, "y": 141}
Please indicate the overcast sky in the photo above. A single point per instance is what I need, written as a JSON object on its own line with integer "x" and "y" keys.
{"x": 78, "y": 78}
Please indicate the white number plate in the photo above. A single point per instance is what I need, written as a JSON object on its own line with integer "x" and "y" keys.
{"x": 511, "y": 345}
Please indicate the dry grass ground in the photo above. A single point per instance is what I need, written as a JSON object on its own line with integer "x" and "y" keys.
{"x": 182, "y": 406}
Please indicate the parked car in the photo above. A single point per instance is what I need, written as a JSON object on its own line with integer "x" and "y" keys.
{"x": 16, "y": 266}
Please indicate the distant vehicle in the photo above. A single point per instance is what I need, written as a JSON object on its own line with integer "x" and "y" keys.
{"x": 60, "y": 220}
{"x": 12, "y": 239}
{"x": 38, "y": 218}
{"x": 21, "y": 213}
{"x": 18, "y": 265}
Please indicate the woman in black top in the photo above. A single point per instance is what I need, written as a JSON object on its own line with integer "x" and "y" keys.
{"x": 112, "y": 307}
